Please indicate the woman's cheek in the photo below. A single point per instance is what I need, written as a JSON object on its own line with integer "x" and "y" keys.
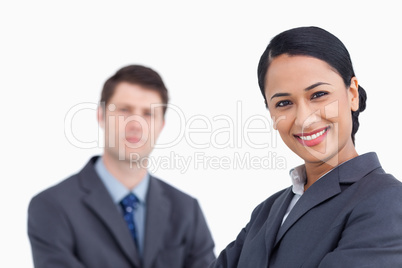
{"x": 279, "y": 121}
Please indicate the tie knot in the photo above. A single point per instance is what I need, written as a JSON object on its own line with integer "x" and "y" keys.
{"x": 129, "y": 203}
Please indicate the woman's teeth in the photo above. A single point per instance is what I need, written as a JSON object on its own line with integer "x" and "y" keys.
{"x": 314, "y": 136}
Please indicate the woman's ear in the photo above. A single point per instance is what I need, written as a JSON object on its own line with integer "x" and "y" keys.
{"x": 353, "y": 94}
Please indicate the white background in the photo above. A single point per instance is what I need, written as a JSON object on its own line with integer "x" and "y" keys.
{"x": 57, "y": 54}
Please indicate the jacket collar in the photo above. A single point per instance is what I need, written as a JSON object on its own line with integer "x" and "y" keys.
{"x": 157, "y": 220}
{"x": 99, "y": 201}
{"x": 358, "y": 167}
{"x": 157, "y": 217}
{"x": 329, "y": 186}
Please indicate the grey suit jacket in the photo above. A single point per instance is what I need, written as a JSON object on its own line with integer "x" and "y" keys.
{"x": 76, "y": 224}
{"x": 351, "y": 217}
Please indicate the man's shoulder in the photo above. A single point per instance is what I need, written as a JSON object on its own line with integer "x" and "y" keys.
{"x": 62, "y": 191}
{"x": 68, "y": 188}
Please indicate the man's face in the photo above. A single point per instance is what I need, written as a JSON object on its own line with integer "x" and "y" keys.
{"x": 132, "y": 120}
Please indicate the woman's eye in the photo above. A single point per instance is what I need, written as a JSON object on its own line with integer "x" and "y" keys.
{"x": 283, "y": 103}
{"x": 318, "y": 94}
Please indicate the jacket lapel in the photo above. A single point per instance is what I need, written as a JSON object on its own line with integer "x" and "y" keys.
{"x": 274, "y": 220}
{"x": 329, "y": 186}
{"x": 321, "y": 190}
{"x": 254, "y": 253}
{"x": 157, "y": 219}
{"x": 99, "y": 201}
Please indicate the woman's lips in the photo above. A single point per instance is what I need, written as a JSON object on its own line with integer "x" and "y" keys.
{"x": 312, "y": 138}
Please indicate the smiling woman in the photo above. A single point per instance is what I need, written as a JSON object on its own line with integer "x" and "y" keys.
{"x": 333, "y": 215}
{"x": 312, "y": 111}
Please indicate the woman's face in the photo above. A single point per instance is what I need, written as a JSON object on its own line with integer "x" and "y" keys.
{"x": 311, "y": 108}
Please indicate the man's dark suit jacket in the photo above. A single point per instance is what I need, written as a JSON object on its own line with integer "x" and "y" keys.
{"x": 75, "y": 224}
{"x": 351, "y": 217}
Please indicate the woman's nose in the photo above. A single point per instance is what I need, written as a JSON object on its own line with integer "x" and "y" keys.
{"x": 306, "y": 116}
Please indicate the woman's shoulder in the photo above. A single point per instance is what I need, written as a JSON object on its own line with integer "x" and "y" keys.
{"x": 379, "y": 180}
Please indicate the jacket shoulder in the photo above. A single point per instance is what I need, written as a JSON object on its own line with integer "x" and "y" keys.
{"x": 64, "y": 190}
{"x": 377, "y": 181}
{"x": 70, "y": 187}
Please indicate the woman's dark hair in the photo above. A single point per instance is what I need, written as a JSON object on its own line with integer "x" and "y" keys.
{"x": 317, "y": 43}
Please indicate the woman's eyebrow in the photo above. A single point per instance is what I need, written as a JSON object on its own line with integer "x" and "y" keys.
{"x": 306, "y": 89}
{"x": 280, "y": 95}
{"x": 315, "y": 85}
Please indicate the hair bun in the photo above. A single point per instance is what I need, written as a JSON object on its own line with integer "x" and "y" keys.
{"x": 362, "y": 99}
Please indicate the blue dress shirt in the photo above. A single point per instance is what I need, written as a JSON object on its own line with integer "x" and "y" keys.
{"x": 118, "y": 191}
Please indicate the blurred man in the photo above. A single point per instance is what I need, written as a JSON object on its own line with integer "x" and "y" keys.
{"x": 113, "y": 213}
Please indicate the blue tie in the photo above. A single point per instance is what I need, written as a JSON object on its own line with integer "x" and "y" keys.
{"x": 129, "y": 204}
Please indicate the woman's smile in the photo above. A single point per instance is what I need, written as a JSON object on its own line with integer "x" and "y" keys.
{"x": 312, "y": 138}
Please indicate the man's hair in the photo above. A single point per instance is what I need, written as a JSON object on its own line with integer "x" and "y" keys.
{"x": 137, "y": 75}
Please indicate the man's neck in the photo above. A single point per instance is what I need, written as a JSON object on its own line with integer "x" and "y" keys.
{"x": 128, "y": 174}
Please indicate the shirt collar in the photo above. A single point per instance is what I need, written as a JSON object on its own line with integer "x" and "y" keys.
{"x": 299, "y": 179}
{"x": 116, "y": 189}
